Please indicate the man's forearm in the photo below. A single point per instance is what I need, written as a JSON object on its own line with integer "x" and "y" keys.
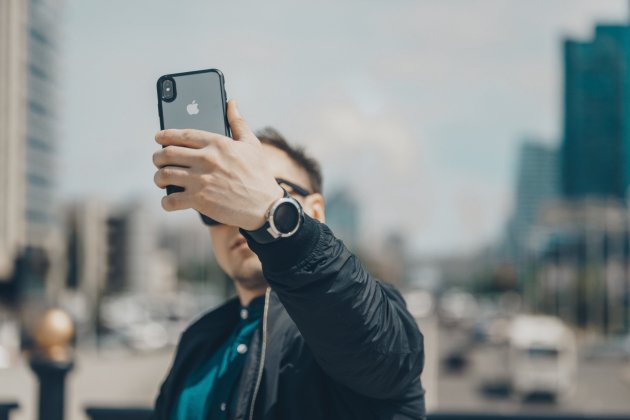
{"x": 358, "y": 329}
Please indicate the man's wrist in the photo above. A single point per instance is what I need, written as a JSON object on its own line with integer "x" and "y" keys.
{"x": 261, "y": 218}
{"x": 283, "y": 219}
{"x": 287, "y": 252}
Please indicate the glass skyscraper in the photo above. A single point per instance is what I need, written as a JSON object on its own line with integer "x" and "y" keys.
{"x": 42, "y": 136}
{"x": 595, "y": 147}
{"x": 536, "y": 186}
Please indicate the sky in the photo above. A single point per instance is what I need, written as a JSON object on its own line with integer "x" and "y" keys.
{"x": 417, "y": 106}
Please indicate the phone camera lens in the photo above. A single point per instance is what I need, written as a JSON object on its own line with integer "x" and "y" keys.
{"x": 168, "y": 90}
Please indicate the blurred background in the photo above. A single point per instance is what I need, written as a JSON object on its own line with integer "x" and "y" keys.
{"x": 476, "y": 153}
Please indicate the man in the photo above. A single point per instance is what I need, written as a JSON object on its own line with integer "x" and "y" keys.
{"x": 311, "y": 334}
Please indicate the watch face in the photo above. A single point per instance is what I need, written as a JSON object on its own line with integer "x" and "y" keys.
{"x": 286, "y": 217}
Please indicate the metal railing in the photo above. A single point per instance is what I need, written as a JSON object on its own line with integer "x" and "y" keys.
{"x": 108, "y": 413}
{"x": 492, "y": 416}
{"x": 142, "y": 414}
{"x": 6, "y": 408}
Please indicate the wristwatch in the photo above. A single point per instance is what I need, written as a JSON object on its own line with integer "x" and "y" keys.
{"x": 283, "y": 218}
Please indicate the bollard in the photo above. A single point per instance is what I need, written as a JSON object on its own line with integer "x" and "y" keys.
{"x": 52, "y": 377}
{"x": 51, "y": 362}
{"x": 119, "y": 413}
{"x": 6, "y": 408}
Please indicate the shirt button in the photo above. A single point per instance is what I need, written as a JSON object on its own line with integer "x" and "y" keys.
{"x": 223, "y": 406}
{"x": 244, "y": 314}
{"x": 241, "y": 349}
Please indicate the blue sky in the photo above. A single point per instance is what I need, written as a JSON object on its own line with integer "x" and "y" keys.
{"x": 418, "y": 106}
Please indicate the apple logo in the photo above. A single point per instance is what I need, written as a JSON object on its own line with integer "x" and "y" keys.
{"x": 193, "y": 108}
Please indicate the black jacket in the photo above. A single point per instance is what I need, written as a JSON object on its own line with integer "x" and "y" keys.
{"x": 334, "y": 342}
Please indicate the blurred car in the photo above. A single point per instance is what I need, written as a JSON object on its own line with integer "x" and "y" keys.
{"x": 144, "y": 323}
{"x": 614, "y": 349}
{"x": 492, "y": 329}
{"x": 147, "y": 336}
{"x": 420, "y": 303}
{"x": 458, "y": 309}
{"x": 542, "y": 357}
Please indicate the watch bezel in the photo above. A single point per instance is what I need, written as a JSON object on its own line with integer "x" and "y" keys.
{"x": 272, "y": 212}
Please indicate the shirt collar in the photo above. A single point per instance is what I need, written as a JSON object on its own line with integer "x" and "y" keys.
{"x": 254, "y": 310}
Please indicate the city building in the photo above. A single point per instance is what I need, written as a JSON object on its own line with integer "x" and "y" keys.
{"x": 343, "y": 215}
{"x": 29, "y": 137}
{"x": 87, "y": 260}
{"x": 13, "y": 42}
{"x": 116, "y": 254}
{"x": 596, "y": 144}
{"x": 582, "y": 265}
{"x": 113, "y": 252}
{"x": 537, "y": 184}
{"x": 136, "y": 261}
{"x": 42, "y": 123}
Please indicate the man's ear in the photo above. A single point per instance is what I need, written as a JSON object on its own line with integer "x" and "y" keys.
{"x": 315, "y": 207}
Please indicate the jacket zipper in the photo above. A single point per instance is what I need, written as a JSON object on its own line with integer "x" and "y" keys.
{"x": 262, "y": 357}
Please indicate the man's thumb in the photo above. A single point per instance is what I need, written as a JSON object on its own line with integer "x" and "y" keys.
{"x": 238, "y": 125}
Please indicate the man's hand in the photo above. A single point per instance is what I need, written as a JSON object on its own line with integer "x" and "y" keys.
{"x": 224, "y": 179}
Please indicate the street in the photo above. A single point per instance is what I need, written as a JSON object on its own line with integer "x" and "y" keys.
{"x": 603, "y": 386}
{"x": 121, "y": 378}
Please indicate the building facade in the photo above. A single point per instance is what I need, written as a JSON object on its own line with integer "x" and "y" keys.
{"x": 343, "y": 215}
{"x": 595, "y": 149}
{"x": 29, "y": 136}
{"x": 42, "y": 129}
{"x": 537, "y": 185}
{"x": 13, "y": 44}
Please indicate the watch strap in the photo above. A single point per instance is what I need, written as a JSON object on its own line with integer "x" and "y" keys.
{"x": 266, "y": 233}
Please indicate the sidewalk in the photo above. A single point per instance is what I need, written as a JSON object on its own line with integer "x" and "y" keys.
{"x": 115, "y": 379}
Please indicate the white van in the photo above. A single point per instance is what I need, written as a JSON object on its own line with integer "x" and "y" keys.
{"x": 542, "y": 357}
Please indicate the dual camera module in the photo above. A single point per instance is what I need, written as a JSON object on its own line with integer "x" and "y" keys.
{"x": 168, "y": 90}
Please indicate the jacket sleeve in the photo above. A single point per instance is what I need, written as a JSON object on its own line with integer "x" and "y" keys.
{"x": 358, "y": 328}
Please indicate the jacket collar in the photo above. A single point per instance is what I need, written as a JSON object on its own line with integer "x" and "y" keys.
{"x": 222, "y": 318}
{"x": 208, "y": 332}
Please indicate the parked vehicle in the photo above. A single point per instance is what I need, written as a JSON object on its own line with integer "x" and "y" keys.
{"x": 458, "y": 309}
{"x": 542, "y": 357}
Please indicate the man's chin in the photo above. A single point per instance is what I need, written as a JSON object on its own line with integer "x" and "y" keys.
{"x": 252, "y": 282}
{"x": 249, "y": 274}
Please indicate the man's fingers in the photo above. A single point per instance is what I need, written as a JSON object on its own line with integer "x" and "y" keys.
{"x": 177, "y": 156}
{"x": 194, "y": 139}
{"x": 238, "y": 125}
{"x": 177, "y": 201}
{"x": 172, "y": 175}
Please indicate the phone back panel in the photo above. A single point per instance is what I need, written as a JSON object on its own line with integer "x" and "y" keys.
{"x": 200, "y": 102}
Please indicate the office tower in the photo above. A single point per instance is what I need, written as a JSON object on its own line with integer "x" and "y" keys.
{"x": 13, "y": 41}
{"x": 42, "y": 133}
{"x": 343, "y": 215}
{"x": 595, "y": 149}
{"x": 536, "y": 185}
{"x": 137, "y": 263}
{"x": 29, "y": 113}
{"x": 87, "y": 254}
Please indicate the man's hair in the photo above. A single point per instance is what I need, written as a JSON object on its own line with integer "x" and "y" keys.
{"x": 272, "y": 137}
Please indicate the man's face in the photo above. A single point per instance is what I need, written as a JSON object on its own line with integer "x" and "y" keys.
{"x": 231, "y": 249}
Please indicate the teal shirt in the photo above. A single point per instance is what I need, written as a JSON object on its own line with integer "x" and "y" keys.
{"x": 210, "y": 390}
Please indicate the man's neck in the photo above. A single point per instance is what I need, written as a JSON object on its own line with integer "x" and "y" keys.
{"x": 247, "y": 295}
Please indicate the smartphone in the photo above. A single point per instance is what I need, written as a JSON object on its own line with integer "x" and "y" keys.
{"x": 194, "y": 99}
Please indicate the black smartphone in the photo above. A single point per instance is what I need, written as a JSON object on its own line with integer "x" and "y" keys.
{"x": 194, "y": 99}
